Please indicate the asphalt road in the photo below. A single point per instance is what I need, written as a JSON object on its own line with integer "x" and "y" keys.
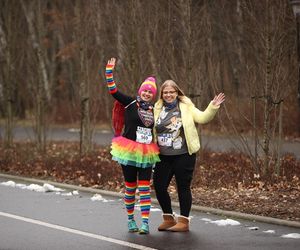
{"x": 32, "y": 220}
{"x": 103, "y": 138}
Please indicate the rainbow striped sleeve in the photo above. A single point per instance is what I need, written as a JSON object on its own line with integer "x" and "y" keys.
{"x": 112, "y": 87}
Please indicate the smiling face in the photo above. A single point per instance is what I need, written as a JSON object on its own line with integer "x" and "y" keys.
{"x": 169, "y": 94}
{"x": 146, "y": 95}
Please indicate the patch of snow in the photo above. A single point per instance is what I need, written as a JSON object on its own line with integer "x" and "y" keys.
{"x": 51, "y": 188}
{"x": 206, "y": 220}
{"x": 22, "y": 186}
{"x": 269, "y": 231}
{"x": 67, "y": 194}
{"x": 75, "y": 192}
{"x": 9, "y": 184}
{"x": 226, "y": 222}
{"x": 291, "y": 236}
{"x": 154, "y": 209}
{"x": 36, "y": 188}
{"x": 98, "y": 197}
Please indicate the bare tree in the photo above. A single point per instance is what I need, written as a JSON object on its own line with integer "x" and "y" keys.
{"x": 36, "y": 43}
{"x": 6, "y": 69}
{"x": 42, "y": 86}
{"x": 85, "y": 133}
{"x": 267, "y": 79}
{"x": 245, "y": 48}
{"x": 100, "y": 12}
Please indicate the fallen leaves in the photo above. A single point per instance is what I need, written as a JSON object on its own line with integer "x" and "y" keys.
{"x": 225, "y": 181}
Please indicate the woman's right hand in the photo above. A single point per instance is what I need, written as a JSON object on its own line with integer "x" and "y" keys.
{"x": 112, "y": 62}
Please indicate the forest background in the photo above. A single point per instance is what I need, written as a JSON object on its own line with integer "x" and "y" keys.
{"x": 53, "y": 55}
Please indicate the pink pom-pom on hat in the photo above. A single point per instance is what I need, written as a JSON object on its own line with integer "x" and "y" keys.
{"x": 149, "y": 84}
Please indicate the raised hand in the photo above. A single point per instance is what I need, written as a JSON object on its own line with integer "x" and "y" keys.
{"x": 218, "y": 99}
{"x": 112, "y": 62}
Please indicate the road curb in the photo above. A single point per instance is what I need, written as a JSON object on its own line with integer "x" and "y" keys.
{"x": 251, "y": 217}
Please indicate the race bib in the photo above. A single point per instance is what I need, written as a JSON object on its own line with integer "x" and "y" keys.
{"x": 164, "y": 140}
{"x": 143, "y": 135}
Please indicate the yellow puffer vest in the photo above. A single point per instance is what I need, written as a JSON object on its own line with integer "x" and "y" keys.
{"x": 189, "y": 115}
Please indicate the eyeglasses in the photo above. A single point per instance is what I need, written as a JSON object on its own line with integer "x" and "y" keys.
{"x": 169, "y": 92}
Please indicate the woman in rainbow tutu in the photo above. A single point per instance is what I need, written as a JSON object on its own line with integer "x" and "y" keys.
{"x": 134, "y": 150}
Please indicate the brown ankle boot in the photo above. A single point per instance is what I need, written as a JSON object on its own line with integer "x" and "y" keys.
{"x": 181, "y": 226}
{"x": 169, "y": 221}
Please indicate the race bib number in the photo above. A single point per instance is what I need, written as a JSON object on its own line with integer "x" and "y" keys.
{"x": 143, "y": 135}
{"x": 165, "y": 140}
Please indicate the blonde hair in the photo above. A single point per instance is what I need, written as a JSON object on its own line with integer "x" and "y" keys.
{"x": 171, "y": 83}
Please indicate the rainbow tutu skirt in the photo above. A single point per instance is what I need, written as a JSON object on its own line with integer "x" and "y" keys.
{"x": 128, "y": 152}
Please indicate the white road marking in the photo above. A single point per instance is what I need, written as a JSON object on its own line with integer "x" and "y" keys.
{"x": 74, "y": 231}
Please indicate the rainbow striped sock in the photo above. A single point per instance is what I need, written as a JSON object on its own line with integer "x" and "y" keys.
{"x": 145, "y": 199}
{"x": 129, "y": 199}
{"x": 112, "y": 87}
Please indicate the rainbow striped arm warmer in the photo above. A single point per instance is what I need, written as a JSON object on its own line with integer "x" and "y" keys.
{"x": 112, "y": 87}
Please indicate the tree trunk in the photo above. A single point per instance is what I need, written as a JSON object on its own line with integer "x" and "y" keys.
{"x": 267, "y": 98}
{"x": 40, "y": 119}
{"x": 279, "y": 140}
{"x": 133, "y": 48}
{"x": 29, "y": 14}
{"x": 85, "y": 132}
{"x": 43, "y": 91}
{"x": 5, "y": 53}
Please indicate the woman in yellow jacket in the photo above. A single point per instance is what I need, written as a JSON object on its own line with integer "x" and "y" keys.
{"x": 175, "y": 116}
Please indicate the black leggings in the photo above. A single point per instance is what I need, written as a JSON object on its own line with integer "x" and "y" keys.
{"x": 182, "y": 166}
{"x": 132, "y": 174}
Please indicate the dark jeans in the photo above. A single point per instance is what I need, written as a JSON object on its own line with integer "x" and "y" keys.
{"x": 182, "y": 166}
{"x": 132, "y": 174}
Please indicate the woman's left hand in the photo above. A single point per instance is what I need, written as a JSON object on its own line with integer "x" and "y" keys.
{"x": 218, "y": 99}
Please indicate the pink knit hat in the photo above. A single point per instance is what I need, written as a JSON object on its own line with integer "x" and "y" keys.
{"x": 148, "y": 84}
